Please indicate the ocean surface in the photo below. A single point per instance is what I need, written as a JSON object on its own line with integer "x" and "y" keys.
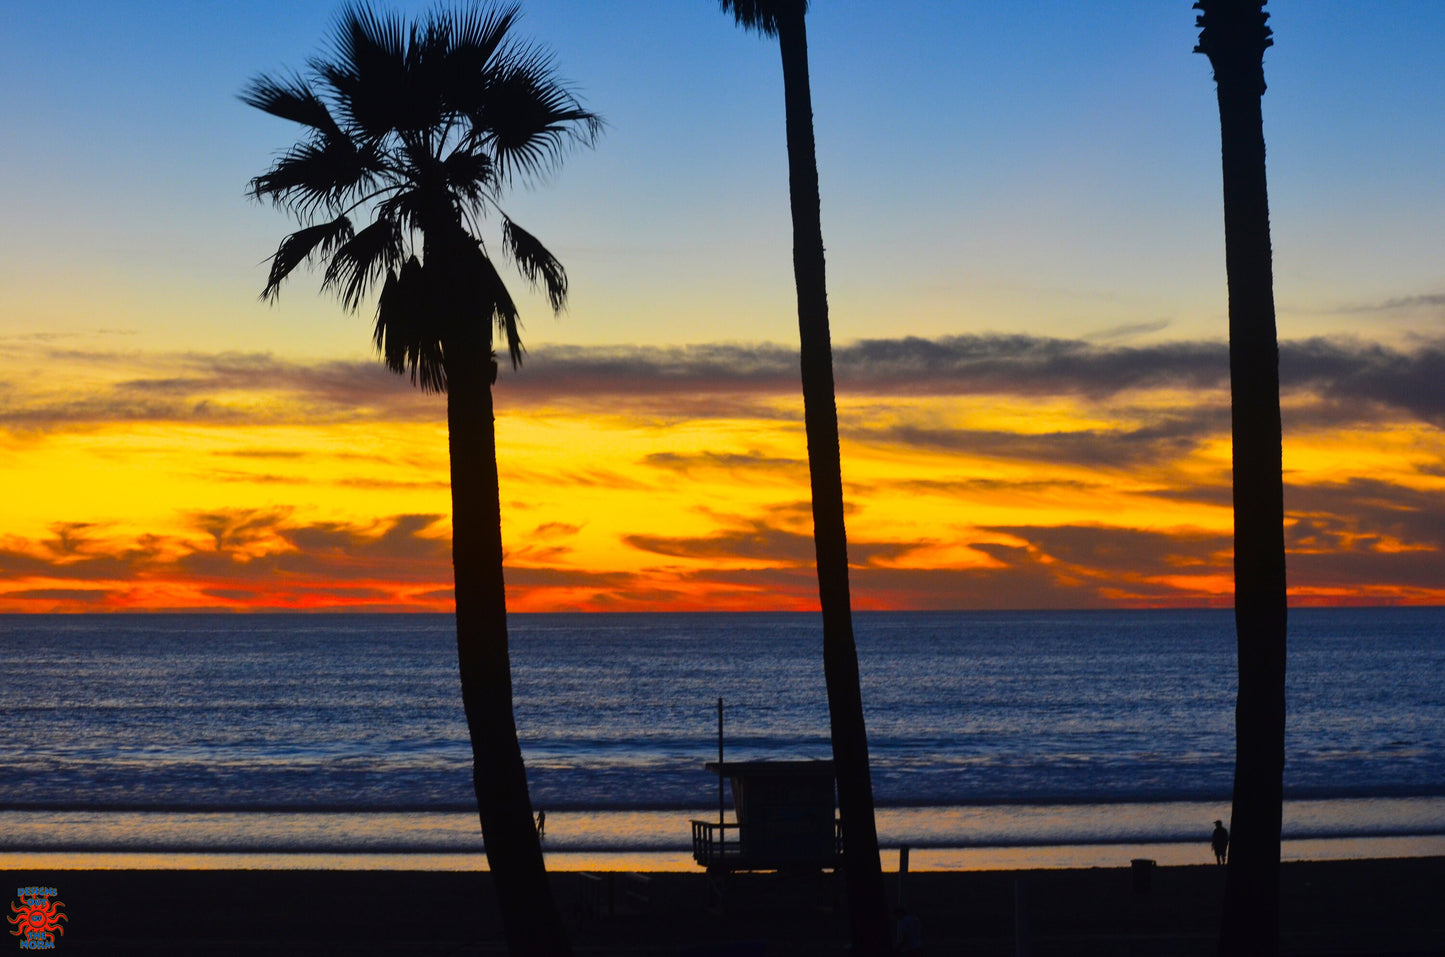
{"x": 343, "y": 734}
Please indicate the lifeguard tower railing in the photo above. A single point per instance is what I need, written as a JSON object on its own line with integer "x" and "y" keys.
{"x": 711, "y": 846}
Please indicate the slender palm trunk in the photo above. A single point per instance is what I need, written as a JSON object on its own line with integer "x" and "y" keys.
{"x": 1250, "y": 923}
{"x": 867, "y": 905}
{"x": 514, "y": 852}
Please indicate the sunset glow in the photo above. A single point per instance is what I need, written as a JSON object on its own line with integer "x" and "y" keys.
{"x": 255, "y": 483}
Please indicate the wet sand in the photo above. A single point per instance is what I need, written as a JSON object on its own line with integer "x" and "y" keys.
{"x": 1330, "y": 907}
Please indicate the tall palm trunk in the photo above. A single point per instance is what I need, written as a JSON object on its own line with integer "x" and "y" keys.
{"x": 1235, "y": 37}
{"x": 514, "y": 852}
{"x": 867, "y": 905}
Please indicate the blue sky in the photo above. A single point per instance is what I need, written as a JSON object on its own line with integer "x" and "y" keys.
{"x": 1045, "y": 167}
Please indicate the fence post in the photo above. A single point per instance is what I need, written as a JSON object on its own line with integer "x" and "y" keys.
{"x": 1021, "y": 918}
{"x": 902, "y": 871}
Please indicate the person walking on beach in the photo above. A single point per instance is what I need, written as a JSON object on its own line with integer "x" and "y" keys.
{"x": 541, "y": 823}
{"x": 1220, "y": 843}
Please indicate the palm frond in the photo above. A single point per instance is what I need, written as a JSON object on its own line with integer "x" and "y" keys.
{"x": 407, "y": 207}
{"x": 470, "y": 174}
{"x": 405, "y": 332}
{"x": 480, "y": 30}
{"x": 323, "y": 171}
{"x": 762, "y": 15}
{"x": 319, "y": 240}
{"x": 476, "y": 48}
{"x": 291, "y": 99}
{"x": 369, "y": 72}
{"x": 363, "y": 259}
{"x": 497, "y": 305}
{"x": 528, "y": 119}
{"x": 536, "y": 262}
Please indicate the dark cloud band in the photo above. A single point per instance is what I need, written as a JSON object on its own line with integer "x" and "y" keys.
{"x": 716, "y": 380}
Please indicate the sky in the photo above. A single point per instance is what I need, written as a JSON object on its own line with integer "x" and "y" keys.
{"x": 1022, "y": 210}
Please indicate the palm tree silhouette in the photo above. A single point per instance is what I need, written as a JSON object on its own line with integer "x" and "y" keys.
{"x": 1234, "y": 36}
{"x": 867, "y": 905}
{"x": 418, "y": 126}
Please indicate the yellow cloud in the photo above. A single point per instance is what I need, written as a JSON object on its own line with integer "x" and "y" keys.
{"x": 244, "y": 480}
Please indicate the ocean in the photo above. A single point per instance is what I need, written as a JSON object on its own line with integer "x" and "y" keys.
{"x": 338, "y": 740}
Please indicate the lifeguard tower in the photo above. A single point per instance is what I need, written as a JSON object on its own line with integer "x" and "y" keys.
{"x": 785, "y": 819}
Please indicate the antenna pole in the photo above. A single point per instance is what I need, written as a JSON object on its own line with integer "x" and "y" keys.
{"x": 719, "y": 764}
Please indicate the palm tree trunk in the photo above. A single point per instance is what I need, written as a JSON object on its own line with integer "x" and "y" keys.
{"x": 1250, "y": 922}
{"x": 514, "y": 852}
{"x": 867, "y": 905}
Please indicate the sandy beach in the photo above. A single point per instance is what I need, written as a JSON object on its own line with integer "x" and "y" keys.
{"x": 1332, "y": 907}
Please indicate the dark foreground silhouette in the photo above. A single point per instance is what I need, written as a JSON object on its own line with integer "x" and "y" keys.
{"x": 786, "y": 20}
{"x": 413, "y": 128}
{"x": 1338, "y": 908}
{"x": 1234, "y": 36}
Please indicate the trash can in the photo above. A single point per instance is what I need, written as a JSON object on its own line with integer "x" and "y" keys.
{"x": 1142, "y": 871}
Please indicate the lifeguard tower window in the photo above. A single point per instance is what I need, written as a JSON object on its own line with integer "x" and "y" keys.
{"x": 785, "y": 818}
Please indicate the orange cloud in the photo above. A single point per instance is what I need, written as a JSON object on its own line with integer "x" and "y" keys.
{"x": 981, "y": 472}
{"x": 236, "y": 559}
